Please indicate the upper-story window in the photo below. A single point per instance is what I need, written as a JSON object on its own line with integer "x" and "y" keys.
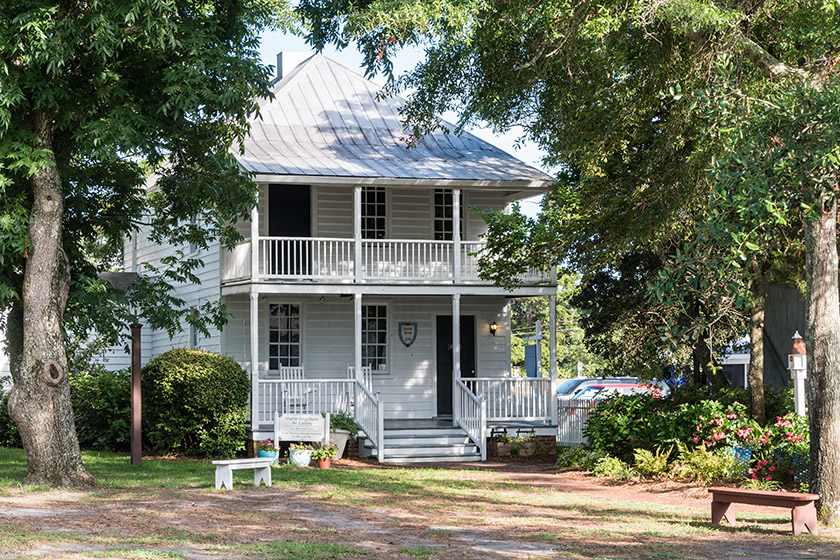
{"x": 443, "y": 212}
{"x": 283, "y": 335}
{"x": 373, "y": 213}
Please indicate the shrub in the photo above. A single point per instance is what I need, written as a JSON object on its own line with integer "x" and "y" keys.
{"x": 195, "y": 402}
{"x": 588, "y": 461}
{"x": 649, "y": 464}
{"x": 613, "y": 467}
{"x": 703, "y": 465}
{"x": 570, "y": 456}
{"x": 9, "y": 435}
{"x": 102, "y": 408}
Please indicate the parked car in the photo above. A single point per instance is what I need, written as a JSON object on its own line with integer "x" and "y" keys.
{"x": 598, "y": 392}
{"x": 570, "y": 387}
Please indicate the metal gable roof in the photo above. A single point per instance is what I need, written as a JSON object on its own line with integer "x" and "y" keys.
{"x": 326, "y": 121}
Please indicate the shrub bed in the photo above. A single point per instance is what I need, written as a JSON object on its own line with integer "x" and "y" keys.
{"x": 195, "y": 403}
{"x": 102, "y": 408}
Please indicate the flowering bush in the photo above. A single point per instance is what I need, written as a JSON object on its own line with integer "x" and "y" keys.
{"x": 265, "y": 445}
{"x": 728, "y": 426}
{"x": 325, "y": 451}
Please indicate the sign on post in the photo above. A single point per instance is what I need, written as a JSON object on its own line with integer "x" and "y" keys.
{"x": 301, "y": 427}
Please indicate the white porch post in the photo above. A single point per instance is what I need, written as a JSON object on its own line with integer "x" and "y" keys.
{"x": 456, "y": 233}
{"x": 255, "y": 369}
{"x": 357, "y": 236}
{"x": 255, "y": 243}
{"x": 552, "y": 357}
{"x": 357, "y": 350}
{"x": 456, "y": 356}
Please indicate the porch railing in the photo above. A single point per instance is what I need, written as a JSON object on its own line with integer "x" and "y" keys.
{"x": 370, "y": 416}
{"x": 472, "y": 416}
{"x": 514, "y": 398}
{"x": 334, "y": 259}
{"x": 311, "y": 396}
{"x": 571, "y": 422}
{"x": 367, "y": 376}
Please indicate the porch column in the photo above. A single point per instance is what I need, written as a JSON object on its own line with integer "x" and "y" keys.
{"x": 255, "y": 368}
{"x": 357, "y": 237}
{"x": 357, "y": 332}
{"x": 456, "y": 233}
{"x": 255, "y": 243}
{"x": 456, "y": 357}
{"x": 552, "y": 357}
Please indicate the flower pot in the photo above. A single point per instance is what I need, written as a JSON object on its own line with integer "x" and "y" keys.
{"x": 323, "y": 463}
{"x": 264, "y": 453}
{"x": 300, "y": 457}
{"x": 526, "y": 449}
{"x": 340, "y": 438}
{"x": 500, "y": 449}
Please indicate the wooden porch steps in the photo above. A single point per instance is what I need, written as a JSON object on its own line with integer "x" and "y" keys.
{"x": 425, "y": 445}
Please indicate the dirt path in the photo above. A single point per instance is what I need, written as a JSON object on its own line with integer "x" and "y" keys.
{"x": 527, "y": 511}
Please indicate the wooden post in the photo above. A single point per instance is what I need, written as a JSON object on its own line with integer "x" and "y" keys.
{"x": 456, "y": 234}
{"x": 357, "y": 348}
{"x": 552, "y": 353}
{"x": 357, "y": 234}
{"x": 255, "y": 359}
{"x": 456, "y": 357}
{"x": 136, "y": 404}
{"x": 255, "y": 243}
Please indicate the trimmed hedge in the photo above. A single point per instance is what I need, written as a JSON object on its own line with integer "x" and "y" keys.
{"x": 195, "y": 403}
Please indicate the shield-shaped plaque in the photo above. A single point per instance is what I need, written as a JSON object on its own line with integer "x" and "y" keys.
{"x": 408, "y": 333}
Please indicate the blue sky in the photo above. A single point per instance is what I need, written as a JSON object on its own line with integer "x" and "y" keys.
{"x": 274, "y": 42}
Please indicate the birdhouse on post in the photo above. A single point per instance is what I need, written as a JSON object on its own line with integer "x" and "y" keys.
{"x": 798, "y": 366}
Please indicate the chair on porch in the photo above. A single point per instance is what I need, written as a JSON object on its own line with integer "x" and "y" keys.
{"x": 294, "y": 401}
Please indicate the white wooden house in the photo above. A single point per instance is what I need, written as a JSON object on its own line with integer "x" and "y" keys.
{"x": 356, "y": 288}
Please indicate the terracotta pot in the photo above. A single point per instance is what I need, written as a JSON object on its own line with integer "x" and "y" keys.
{"x": 323, "y": 463}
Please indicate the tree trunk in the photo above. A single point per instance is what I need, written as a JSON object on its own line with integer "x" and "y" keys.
{"x": 823, "y": 346}
{"x": 39, "y": 402}
{"x": 756, "y": 371}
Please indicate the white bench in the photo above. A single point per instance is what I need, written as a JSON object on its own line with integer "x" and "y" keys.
{"x": 261, "y": 466}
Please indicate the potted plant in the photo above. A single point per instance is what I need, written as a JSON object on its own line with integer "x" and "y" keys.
{"x": 524, "y": 446}
{"x": 501, "y": 444}
{"x": 300, "y": 454}
{"x": 342, "y": 428}
{"x": 323, "y": 455}
{"x": 265, "y": 448}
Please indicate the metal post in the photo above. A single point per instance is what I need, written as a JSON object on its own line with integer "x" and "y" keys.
{"x": 136, "y": 400}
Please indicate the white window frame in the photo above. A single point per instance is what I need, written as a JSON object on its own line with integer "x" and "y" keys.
{"x": 289, "y": 344}
{"x": 442, "y": 219}
{"x": 387, "y": 331}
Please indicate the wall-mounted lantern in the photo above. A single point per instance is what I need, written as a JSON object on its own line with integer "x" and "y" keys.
{"x": 494, "y": 326}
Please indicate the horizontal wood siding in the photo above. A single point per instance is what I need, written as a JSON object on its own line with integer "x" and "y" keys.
{"x": 333, "y": 211}
{"x": 481, "y": 200}
{"x": 410, "y": 214}
{"x": 408, "y": 387}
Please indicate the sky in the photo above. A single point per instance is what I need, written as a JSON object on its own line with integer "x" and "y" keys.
{"x": 274, "y": 42}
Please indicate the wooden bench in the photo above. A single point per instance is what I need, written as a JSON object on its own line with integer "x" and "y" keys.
{"x": 803, "y": 513}
{"x": 261, "y": 466}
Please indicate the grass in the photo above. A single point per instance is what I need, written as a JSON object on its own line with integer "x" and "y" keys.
{"x": 405, "y": 512}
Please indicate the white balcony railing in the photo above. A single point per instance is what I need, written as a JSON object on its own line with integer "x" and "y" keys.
{"x": 334, "y": 259}
{"x": 514, "y": 398}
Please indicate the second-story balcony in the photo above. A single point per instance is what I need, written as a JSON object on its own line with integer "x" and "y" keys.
{"x": 347, "y": 260}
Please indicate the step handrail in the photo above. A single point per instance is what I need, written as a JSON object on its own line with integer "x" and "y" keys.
{"x": 472, "y": 417}
{"x": 370, "y": 416}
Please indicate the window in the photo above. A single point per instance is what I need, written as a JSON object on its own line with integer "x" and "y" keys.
{"x": 283, "y": 335}
{"x": 443, "y": 215}
{"x": 373, "y": 213}
{"x": 375, "y": 337}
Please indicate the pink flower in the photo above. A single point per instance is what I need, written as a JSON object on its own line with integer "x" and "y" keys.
{"x": 768, "y": 477}
{"x": 695, "y": 439}
{"x": 763, "y": 439}
{"x": 772, "y": 469}
{"x": 791, "y": 472}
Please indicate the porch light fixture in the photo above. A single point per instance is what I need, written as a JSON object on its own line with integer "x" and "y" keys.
{"x": 494, "y": 327}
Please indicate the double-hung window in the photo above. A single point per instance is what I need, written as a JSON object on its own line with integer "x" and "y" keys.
{"x": 283, "y": 335}
{"x": 375, "y": 337}
{"x": 374, "y": 213}
{"x": 443, "y": 215}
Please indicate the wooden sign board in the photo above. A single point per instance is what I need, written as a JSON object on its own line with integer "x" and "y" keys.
{"x": 301, "y": 427}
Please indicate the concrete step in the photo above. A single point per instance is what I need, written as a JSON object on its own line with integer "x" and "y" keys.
{"x": 453, "y": 431}
{"x": 426, "y": 451}
{"x": 427, "y": 440}
{"x": 435, "y": 459}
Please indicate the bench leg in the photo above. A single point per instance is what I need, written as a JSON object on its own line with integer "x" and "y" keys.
{"x": 262, "y": 475}
{"x": 721, "y": 510}
{"x": 224, "y": 477}
{"x": 805, "y": 517}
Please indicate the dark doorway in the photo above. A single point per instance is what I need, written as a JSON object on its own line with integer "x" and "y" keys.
{"x": 444, "y": 357}
{"x": 289, "y": 215}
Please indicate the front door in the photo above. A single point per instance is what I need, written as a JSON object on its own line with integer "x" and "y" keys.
{"x": 444, "y": 358}
{"x": 289, "y": 215}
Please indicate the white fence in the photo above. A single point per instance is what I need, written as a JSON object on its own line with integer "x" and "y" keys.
{"x": 514, "y": 398}
{"x": 572, "y": 418}
{"x": 472, "y": 416}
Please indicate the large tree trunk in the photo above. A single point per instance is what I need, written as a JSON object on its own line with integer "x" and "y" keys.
{"x": 823, "y": 344}
{"x": 40, "y": 399}
{"x": 756, "y": 371}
